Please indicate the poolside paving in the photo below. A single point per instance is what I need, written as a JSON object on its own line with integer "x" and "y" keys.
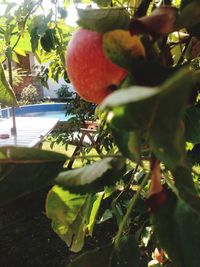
{"x": 30, "y": 131}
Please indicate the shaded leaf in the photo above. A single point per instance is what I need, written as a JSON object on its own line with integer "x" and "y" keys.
{"x": 34, "y": 39}
{"x": 128, "y": 142}
{"x": 160, "y": 21}
{"x": 185, "y": 20}
{"x": 92, "y": 177}
{"x": 177, "y": 227}
{"x": 147, "y": 109}
{"x": 129, "y": 52}
{"x": 192, "y": 125}
{"x": 7, "y": 96}
{"x": 98, "y": 258}
{"x": 25, "y": 170}
{"x": 187, "y": 225}
{"x": 128, "y": 254}
{"x": 104, "y": 19}
{"x": 163, "y": 223}
{"x": 70, "y": 215}
{"x": 166, "y": 130}
{"x": 48, "y": 40}
{"x": 107, "y": 215}
{"x": 185, "y": 185}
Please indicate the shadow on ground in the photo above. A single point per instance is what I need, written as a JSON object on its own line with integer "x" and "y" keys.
{"x": 26, "y": 237}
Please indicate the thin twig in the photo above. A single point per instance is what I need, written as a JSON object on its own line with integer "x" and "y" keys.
{"x": 132, "y": 203}
{"x": 184, "y": 51}
{"x": 128, "y": 185}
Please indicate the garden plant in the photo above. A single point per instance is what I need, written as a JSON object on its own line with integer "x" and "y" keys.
{"x": 145, "y": 187}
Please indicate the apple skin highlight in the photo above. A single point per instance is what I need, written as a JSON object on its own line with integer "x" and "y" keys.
{"x": 90, "y": 72}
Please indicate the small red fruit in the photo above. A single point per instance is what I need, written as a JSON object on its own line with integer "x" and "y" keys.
{"x": 92, "y": 74}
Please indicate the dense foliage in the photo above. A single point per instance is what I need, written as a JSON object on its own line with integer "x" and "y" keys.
{"x": 147, "y": 185}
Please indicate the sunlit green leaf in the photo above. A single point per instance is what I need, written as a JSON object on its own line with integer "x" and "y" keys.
{"x": 20, "y": 51}
{"x": 23, "y": 44}
{"x": 69, "y": 214}
{"x": 94, "y": 212}
{"x": 15, "y": 57}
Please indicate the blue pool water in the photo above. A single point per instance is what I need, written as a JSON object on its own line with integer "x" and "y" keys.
{"x": 53, "y": 110}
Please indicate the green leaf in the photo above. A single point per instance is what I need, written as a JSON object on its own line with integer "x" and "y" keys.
{"x": 48, "y": 40}
{"x": 187, "y": 224}
{"x": 185, "y": 20}
{"x": 107, "y": 215}
{"x": 34, "y": 39}
{"x": 94, "y": 213}
{"x": 128, "y": 254}
{"x": 192, "y": 125}
{"x": 177, "y": 228}
{"x": 147, "y": 109}
{"x": 128, "y": 142}
{"x": 25, "y": 170}
{"x": 103, "y": 19}
{"x": 166, "y": 132}
{"x": 23, "y": 44}
{"x": 163, "y": 224}
{"x": 7, "y": 96}
{"x": 69, "y": 214}
{"x": 15, "y": 58}
{"x": 129, "y": 95}
{"x": 93, "y": 177}
{"x": 98, "y": 258}
{"x": 185, "y": 185}
{"x": 129, "y": 53}
{"x": 20, "y": 51}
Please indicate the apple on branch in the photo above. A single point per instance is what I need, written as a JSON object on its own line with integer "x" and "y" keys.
{"x": 92, "y": 74}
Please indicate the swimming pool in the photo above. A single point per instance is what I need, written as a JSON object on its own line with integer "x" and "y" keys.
{"x": 50, "y": 110}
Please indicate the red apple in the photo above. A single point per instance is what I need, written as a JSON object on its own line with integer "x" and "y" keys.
{"x": 92, "y": 74}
